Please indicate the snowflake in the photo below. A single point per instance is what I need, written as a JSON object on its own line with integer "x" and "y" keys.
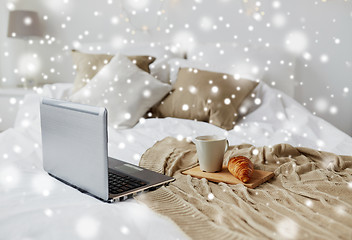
{"x": 87, "y": 227}
{"x": 211, "y": 196}
{"x": 309, "y": 203}
{"x": 206, "y": 23}
{"x": 324, "y": 58}
{"x": 193, "y": 89}
{"x": 279, "y": 20}
{"x": 287, "y": 228}
{"x": 296, "y": 42}
{"x": 127, "y": 116}
{"x": 48, "y": 212}
{"x": 125, "y": 230}
{"x": 227, "y": 101}
{"x": 179, "y": 137}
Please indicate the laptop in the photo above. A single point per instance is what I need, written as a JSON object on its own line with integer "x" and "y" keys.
{"x": 75, "y": 151}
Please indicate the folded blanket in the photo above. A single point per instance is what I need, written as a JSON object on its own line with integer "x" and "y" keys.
{"x": 310, "y": 196}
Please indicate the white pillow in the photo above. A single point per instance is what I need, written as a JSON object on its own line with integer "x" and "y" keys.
{"x": 124, "y": 90}
{"x": 270, "y": 64}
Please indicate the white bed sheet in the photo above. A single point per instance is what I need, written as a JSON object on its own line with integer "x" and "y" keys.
{"x": 35, "y": 206}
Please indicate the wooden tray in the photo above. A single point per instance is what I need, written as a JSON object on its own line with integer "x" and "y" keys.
{"x": 225, "y": 176}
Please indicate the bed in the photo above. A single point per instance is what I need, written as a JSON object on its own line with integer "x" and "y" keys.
{"x": 35, "y": 206}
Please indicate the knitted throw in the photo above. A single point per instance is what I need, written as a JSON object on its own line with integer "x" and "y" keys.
{"x": 310, "y": 196}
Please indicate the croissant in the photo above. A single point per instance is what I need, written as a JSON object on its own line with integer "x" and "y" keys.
{"x": 241, "y": 167}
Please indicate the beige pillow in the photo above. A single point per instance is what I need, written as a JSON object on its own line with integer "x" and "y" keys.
{"x": 90, "y": 64}
{"x": 205, "y": 96}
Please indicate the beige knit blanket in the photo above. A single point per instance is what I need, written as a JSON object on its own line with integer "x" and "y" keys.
{"x": 310, "y": 196}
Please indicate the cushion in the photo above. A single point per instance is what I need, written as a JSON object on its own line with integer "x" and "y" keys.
{"x": 271, "y": 64}
{"x": 89, "y": 64}
{"x": 176, "y": 63}
{"x": 205, "y": 96}
{"x": 124, "y": 90}
{"x": 160, "y": 50}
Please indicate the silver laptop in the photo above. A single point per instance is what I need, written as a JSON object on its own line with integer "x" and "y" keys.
{"x": 75, "y": 151}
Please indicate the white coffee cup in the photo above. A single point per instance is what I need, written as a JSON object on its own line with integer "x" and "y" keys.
{"x": 210, "y": 152}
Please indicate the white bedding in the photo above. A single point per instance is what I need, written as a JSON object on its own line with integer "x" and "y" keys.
{"x": 35, "y": 206}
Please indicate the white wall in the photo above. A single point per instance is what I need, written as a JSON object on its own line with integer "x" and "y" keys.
{"x": 325, "y": 87}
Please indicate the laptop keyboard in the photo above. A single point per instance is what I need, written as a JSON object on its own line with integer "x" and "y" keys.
{"x": 120, "y": 183}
